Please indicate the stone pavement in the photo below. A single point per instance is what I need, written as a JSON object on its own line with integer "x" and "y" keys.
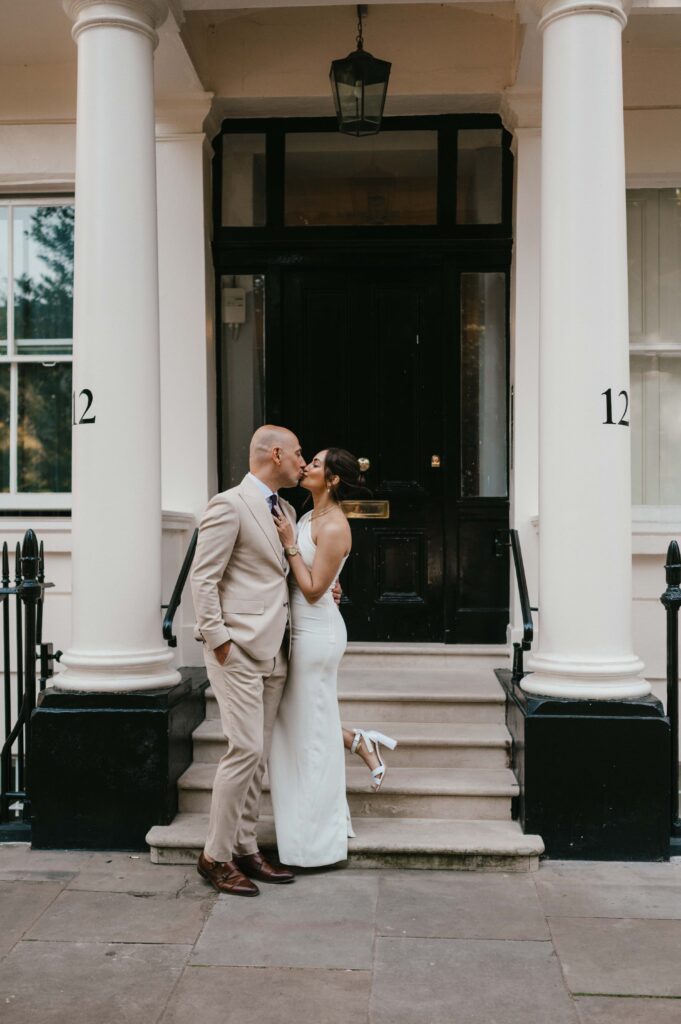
{"x": 112, "y": 939}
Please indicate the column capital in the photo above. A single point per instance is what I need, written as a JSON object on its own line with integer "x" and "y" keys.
{"x": 143, "y": 16}
{"x": 552, "y": 10}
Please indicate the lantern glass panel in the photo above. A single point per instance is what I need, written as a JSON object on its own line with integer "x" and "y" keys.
{"x": 336, "y": 179}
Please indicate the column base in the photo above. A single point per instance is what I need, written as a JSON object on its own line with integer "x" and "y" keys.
{"x": 104, "y": 766}
{"x": 593, "y": 774}
{"x": 127, "y": 671}
{"x": 611, "y": 679}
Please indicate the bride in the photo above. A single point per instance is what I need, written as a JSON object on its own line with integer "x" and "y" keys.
{"x": 307, "y": 763}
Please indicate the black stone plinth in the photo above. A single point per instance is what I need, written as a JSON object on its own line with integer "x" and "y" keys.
{"x": 104, "y": 766}
{"x": 593, "y": 775}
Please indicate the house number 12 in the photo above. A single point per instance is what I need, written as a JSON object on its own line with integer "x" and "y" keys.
{"x": 84, "y": 418}
{"x": 621, "y": 422}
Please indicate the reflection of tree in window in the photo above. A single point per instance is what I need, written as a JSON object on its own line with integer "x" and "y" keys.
{"x": 4, "y": 428}
{"x": 43, "y": 290}
{"x": 44, "y": 427}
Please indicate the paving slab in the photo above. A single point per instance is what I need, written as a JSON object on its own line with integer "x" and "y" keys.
{"x": 21, "y": 904}
{"x": 612, "y": 872}
{"x": 458, "y": 981}
{"x": 448, "y": 905}
{"x": 81, "y": 983}
{"x": 254, "y": 995}
{"x": 120, "y": 917}
{"x": 619, "y": 957}
{"x": 579, "y": 896}
{"x": 625, "y": 1010}
{"x": 19, "y": 862}
{"x": 134, "y": 873}
{"x": 322, "y": 920}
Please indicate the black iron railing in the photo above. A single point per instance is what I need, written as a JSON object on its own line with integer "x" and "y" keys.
{"x": 671, "y": 599}
{"x": 176, "y": 597}
{"x": 26, "y": 595}
{"x": 525, "y": 644}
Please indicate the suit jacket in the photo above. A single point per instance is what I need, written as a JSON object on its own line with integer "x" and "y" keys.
{"x": 239, "y": 572}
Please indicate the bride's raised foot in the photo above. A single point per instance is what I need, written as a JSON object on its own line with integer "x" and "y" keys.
{"x": 367, "y": 743}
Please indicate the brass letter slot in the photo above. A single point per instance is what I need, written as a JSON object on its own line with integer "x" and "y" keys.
{"x": 366, "y": 509}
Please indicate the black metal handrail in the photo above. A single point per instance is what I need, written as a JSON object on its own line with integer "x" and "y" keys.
{"x": 671, "y": 599}
{"x": 525, "y": 608}
{"x": 176, "y": 597}
{"x": 28, "y": 593}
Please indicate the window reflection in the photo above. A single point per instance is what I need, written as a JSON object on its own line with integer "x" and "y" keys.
{"x": 43, "y": 278}
{"x": 44, "y": 427}
{"x": 478, "y": 176}
{"x": 483, "y": 385}
{"x": 334, "y": 179}
{"x": 243, "y": 369}
{"x": 243, "y": 181}
{"x": 4, "y": 273}
{"x": 4, "y": 427}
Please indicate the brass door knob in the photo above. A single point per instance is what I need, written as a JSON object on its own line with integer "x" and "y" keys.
{"x": 435, "y": 462}
{"x": 364, "y": 465}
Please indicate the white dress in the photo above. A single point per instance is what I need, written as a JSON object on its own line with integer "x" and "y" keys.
{"x": 307, "y": 759}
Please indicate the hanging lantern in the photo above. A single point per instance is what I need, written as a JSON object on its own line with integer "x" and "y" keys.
{"x": 359, "y": 84}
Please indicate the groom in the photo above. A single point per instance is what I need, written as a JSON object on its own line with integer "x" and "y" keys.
{"x": 241, "y": 601}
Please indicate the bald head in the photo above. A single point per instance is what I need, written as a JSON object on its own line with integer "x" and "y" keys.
{"x": 275, "y": 456}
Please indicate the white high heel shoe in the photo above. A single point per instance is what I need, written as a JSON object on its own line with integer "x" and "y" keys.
{"x": 374, "y": 739}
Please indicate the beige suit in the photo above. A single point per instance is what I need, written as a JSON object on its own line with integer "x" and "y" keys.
{"x": 240, "y": 594}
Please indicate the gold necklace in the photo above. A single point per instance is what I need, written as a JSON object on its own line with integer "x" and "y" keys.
{"x": 323, "y": 513}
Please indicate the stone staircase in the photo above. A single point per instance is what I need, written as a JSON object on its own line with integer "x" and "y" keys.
{"x": 447, "y": 797}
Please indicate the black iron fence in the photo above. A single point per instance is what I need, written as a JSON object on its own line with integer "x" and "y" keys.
{"x": 671, "y": 599}
{"x": 27, "y": 665}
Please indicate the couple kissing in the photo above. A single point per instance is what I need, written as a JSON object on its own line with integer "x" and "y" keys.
{"x": 266, "y": 597}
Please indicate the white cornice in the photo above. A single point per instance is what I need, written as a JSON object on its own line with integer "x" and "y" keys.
{"x": 521, "y": 108}
{"x": 182, "y": 116}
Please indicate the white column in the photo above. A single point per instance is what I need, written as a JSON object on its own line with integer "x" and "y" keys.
{"x": 584, "y": 464}
{"x": 187, "y": 304}
{"x": 116, "y": 639}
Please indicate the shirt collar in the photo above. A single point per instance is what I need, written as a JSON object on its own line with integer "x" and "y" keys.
{"x": 261, "y": 486}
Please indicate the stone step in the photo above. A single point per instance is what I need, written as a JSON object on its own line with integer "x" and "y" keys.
{"x": 406, "y": 793}
{"x": 419, "y": 744}
{"x": 406, "y": 695}
{"x": 382, "y": 842}
{"x": 428, "y": 657}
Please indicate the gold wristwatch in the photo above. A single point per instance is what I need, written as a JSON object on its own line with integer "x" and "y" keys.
{"x": 291, "y": 551}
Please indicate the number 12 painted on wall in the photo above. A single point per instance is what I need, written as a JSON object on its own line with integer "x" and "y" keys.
{"x": 621, "y": 422}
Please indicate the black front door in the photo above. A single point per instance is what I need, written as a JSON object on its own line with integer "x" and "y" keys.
{"x": 369, "y": 361}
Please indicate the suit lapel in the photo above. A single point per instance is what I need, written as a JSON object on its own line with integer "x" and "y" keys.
{"x": 259, "y": 509}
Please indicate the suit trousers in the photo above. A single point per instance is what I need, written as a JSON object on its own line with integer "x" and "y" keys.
{"x": 248, "y": 692}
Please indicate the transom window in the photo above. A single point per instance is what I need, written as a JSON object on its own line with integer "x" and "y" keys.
{"x": 446, "y": 176}
{"x": 36, "y": 345}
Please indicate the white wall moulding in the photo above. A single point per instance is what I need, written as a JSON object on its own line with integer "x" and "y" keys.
{"x": 116, "y": 643}
{"x": 585, "y": 585}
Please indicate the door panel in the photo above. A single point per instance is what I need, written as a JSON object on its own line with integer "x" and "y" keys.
{"x": 366, "y": 358}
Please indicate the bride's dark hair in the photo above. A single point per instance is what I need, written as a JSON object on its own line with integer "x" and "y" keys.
{"x": 345, "y": 466}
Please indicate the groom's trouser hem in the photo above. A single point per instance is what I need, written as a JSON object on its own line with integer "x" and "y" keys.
{"x": 248, "y": 692}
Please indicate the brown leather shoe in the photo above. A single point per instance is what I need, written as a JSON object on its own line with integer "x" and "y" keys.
{"x": 254, "y": 865}
{"x": 225, "y": 877}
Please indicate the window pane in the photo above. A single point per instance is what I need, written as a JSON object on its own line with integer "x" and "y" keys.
{"x": 334, "y": 179}
{"x": 478, "y": 176}
{"x": 44, "y": 427}
{"x": 243, "y": 181}
{"x": 4, "y": 261}
{"x": 242, "y": 369}
{"x": 656, "y": 429}
{"x": 4, "y": 427}
{"x": 483, "y": 385}
{"x": 43, "y": 278}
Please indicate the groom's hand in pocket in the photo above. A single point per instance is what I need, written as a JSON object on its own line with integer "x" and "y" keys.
{"x": 222, "y": 652}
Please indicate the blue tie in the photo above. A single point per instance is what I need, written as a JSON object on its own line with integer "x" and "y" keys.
{"x": 272, "y": 499}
